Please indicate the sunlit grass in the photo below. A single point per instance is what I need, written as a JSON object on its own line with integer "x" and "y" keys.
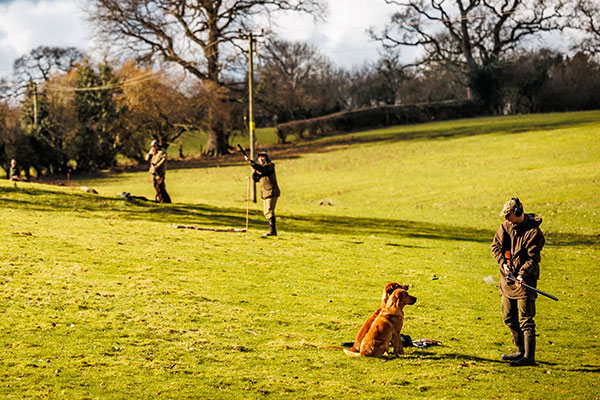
{"x": 103, "y": 298}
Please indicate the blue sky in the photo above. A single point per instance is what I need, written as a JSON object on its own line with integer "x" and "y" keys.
{"x": 27, "y": 24}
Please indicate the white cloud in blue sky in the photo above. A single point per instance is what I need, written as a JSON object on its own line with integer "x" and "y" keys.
{"x": 27, "y": 24}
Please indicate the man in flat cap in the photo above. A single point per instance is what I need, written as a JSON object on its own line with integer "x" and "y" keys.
{"x": 517, "y": 248}
{"x": 158, "y": 168}
{"x": 264, "y": 173}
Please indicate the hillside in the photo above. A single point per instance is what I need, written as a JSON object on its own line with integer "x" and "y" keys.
{"x": 103, "y": 298}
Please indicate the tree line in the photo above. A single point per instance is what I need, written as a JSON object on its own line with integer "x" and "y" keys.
{"x": 74, "y": 114}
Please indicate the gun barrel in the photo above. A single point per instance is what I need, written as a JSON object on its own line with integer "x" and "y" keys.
{"x": 242, "y": 150}
{"x": 512, "y": 278}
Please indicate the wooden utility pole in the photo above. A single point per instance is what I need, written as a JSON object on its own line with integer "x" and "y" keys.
{"x": 251, "y": 126}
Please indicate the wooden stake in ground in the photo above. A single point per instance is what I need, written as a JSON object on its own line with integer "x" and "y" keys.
{"x": 199, "y": 228}
{"x": 247, "y": 203}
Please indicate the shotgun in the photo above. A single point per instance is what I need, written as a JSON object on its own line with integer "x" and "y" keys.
{"x": 512, "y": 278}
{"x": 243, "y": 152}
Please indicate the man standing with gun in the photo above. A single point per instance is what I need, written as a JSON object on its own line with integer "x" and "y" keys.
{"x": 517, "y": 248}
{"x": 158, "y": 168}
{"x": 264, "y": 173}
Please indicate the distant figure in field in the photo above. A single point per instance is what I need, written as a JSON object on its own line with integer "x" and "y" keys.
{"x": 264, "y": 173}
{"x": 517, "y": 248}
{"x": 158, "y": 168}
{"x": 13, "y": 173}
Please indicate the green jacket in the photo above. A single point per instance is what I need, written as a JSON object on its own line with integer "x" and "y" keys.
{"x": 158, "y": 162}
{"x": 525, "y": 242}
{"x": 265, "y": 174}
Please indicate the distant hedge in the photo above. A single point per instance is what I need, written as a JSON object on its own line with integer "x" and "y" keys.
{"x": 348, "y": 121}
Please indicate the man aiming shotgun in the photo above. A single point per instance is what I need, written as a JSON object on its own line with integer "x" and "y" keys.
{"x": 517, "y": 248}
{"x": 264, "y": 173}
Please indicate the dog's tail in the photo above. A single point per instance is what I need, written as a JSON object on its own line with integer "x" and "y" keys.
{"x": 351, "y": 353}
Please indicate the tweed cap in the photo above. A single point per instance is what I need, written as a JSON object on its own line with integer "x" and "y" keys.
{"x": 509, "y": 207}
{"x": 264, "y": 154}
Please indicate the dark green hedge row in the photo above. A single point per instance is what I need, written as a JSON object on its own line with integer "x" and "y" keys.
{"x": 349, "y": 121}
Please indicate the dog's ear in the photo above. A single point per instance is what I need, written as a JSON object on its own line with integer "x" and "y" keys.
{"x": 396, "y": 298}
{"x": 388, "y": 289}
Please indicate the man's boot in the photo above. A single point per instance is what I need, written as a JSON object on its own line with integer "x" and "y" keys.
{"x": 272, "y": 228}
{"x": 529, "y": 354}
{"x": 518, "y": 339}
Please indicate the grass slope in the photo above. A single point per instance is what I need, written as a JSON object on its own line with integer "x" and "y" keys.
{"x": 103, "y": 298}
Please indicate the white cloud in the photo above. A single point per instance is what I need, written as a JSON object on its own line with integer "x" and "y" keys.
{"x": 343, "y": 36}
{"x": 27, "y": 24}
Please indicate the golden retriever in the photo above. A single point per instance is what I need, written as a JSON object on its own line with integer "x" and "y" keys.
{"x": 387, "y": 291}
{"x": 386, "y": 327}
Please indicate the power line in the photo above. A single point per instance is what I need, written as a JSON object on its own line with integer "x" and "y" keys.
{"x": 133, "y": 81}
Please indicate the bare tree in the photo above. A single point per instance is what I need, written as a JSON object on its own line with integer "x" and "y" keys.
{"x": 392, "y": 74}
{"x": 292, "y": 78}
{"x": 473, "y": 36}
{"x": 43, "y": 61}
{"x": 377, "y": 83}
{"x": 588, "y": 21}
{"x": 195, "y": 34}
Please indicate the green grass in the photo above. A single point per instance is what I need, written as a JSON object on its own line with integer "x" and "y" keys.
{"x": 194, "y": 142}
{"x": 102, "y": 298}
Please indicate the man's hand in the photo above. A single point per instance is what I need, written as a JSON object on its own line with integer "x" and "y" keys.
{"x": 506, "y": 268}
{"x": 519, "y": 280}
{"x": 245, "y": 157}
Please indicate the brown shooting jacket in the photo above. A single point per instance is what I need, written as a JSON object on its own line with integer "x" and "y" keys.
{"x": 158, "y": 162}
{"x": 265, "y": 174}
{"x": 525, "y": 242}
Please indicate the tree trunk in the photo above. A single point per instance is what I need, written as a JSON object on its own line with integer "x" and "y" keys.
{"x": 217, "y": 141}
{"x": 217, "y": 138}
{"x": 486, "y": 83}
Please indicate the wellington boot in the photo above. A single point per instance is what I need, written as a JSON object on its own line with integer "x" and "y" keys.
{"x": 529, "y": 354}
{"x": 272, "y": 228}
{"x": 518, "y": 339}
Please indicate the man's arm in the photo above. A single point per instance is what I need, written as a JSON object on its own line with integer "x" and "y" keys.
{"x": 162, "y": 157}
{"x": 498, "y": 246}
{"x": 265, "y": 170}
{"x": 498, "y": 249}
{"x": 534, "y": 249}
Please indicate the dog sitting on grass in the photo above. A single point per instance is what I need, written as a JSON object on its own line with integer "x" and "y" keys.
{"x": 387, "y": 291}
{"x": 385, "y": 328}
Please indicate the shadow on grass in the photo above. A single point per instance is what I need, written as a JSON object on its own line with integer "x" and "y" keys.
{"x": 569, "y": 367}
{"x": 430, "y": 355}
{"x": 47, "y": 200}
{"x": 586, "y": 368}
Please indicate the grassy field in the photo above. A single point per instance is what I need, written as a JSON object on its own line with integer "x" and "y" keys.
{"x": 192, "y": 143}
{"x": 103, "y": 298}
